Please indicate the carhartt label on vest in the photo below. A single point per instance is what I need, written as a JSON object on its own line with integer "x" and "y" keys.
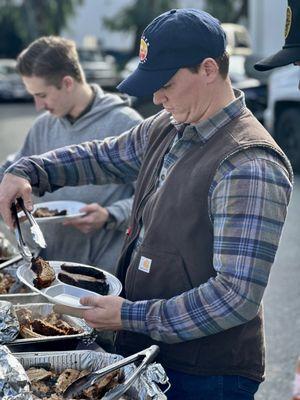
{"x": 145, "y": 264}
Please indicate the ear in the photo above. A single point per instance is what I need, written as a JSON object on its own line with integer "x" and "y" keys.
{"x": 67, "y": 82}
{"x": 210, "y": 69}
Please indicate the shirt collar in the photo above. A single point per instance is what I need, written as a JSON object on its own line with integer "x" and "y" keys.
{"x": 204, "y": 130}
{"x": 88, "y": 107}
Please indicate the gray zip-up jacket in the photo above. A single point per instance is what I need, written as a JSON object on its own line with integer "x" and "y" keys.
{"x": 109, "y": 116}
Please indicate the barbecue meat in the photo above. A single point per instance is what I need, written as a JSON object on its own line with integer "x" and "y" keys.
{"x": 45, "y": 273}
{"x": 99, "y": 388}
{"x": 38, "y": 374}
{"x": 65, "y": 379}
{"x": 41, "y": 389}
{"x": 84, "y": 277}
{"x": 28, "y": 333}
{"x": 51, "y": 385}
{"x": 6, "y": 282}
{"x": 24, "y": 316}
{"x": 43, "y": 212}
{"x": 45, "y": 329}
{"x": 88, "y": 271}
{"x": 38, "y": 326}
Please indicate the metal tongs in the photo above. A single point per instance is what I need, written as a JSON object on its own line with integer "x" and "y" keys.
{"x": 146, "y": 356}
{"x": 35, "y": 230}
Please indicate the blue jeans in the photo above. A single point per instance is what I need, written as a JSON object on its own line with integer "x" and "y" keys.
{"x": 193, "y": 387}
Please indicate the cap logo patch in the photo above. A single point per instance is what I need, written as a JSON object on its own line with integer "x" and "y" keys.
{"x": 143, "y": 49}
{"x": 288, "y": 22}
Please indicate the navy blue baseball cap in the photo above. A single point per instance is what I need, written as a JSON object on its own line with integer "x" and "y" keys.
{"x": 179, "y": 38}
{"x": 290, "y": 52}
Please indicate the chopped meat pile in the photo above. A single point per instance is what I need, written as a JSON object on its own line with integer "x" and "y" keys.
{"x": 6, "y": 281}
{"x": 4, "y": 254}
{"x": 38, "y": 326}
{"x": 48, "y": 384}
{"x": 43, "y": 212}
{"x": 8, "y": 284}
{"x": 5, "y": 251}
{"x": 45, "y": 273}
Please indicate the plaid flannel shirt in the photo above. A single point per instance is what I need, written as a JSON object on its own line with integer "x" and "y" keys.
{"x": 248, "y": 201}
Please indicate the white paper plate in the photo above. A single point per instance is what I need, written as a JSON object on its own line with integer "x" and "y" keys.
{"x": 71, "y": 206}
{"x": 61, "y": 293}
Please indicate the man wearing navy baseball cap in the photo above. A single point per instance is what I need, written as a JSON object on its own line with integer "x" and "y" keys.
{"x": 172, "y": 41}
{"x": 211, "y": 199}
{"x": 290, "y": 52}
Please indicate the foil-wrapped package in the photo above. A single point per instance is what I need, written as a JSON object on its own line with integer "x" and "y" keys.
{"x": 9, "y": 324}
{"x": 14, "y": 383}
{"x": 154, "y": 374}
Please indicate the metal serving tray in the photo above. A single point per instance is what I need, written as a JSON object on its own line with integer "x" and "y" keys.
{"x": 143, "y": 389}
{"x": 23, "y": 298}
{"x": 51, "y": 342}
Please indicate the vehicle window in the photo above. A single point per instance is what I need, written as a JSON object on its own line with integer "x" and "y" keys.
{"x": 7, "y": 69}
{"x": 89, "y": 55}
{"x": 241, "y": 40}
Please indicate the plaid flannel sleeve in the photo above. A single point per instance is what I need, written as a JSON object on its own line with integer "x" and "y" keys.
{"x": 113, "y": 160}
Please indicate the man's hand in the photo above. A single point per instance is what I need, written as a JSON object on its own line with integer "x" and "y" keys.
{"x": 106, "y": 312}
{"x": 11, "y": 187}
{"x": 95, "y": 218}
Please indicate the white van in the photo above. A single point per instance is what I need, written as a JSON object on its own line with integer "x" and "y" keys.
{"x": 238, "y": 39}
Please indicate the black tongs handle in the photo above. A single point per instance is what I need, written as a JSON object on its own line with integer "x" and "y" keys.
{"x": 20, "y": 201}
{"x": 16, "y": 218}
{"x": 24, "y": 250}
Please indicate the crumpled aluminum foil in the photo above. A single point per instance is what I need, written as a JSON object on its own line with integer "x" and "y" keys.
{"x": 149, "y": 378}
{"x": 9, "y": 324}
{"x": 14, "y": 383}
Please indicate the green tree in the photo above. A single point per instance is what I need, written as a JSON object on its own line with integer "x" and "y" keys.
{"x": 227, "y": 10}
{"x": 22, "y": 21}
{"x": 137, "y": 16}
{"x": 11, "y": 41}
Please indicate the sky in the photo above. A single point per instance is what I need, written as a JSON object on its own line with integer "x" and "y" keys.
{"x": 87, "y": 23}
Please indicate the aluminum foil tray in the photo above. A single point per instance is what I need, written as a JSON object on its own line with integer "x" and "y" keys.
{"x": 51, "y": 342}
{"x": 143, "y": 389}
{"x": 23, "y": 298}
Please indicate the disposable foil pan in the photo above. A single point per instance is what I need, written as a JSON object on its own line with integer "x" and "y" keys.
{"x": 50, "y": 342}
{"x": 143, "y": 389}
{"x": 23, "y": 298}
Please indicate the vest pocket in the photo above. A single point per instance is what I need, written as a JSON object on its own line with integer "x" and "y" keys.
{"x": 156, "y": 274}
